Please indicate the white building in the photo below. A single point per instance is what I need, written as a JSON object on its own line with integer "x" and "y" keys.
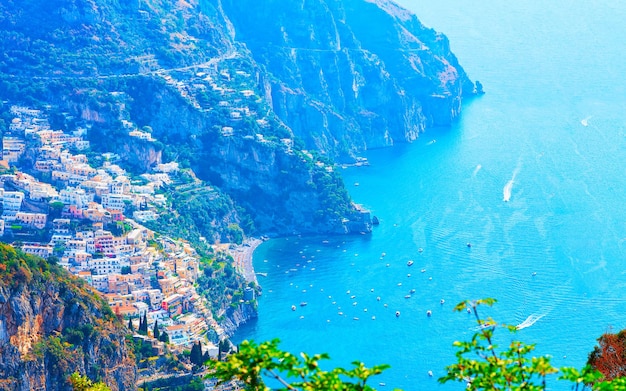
{"x": 11, "y": 203}
{"x": 115, "y": 201}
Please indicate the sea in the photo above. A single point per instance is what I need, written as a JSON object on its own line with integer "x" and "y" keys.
{"x": 533, "y": 176}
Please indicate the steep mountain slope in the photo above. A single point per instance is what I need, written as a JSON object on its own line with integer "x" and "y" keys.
{"x": 52, "y": 325}
{"x": 353, "y": 74}
{"x": 240, "y": 91}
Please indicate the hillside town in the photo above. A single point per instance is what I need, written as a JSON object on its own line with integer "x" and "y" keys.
{"x": 61, "y": 211}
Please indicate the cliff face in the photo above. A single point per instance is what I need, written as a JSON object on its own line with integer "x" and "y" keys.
{"x": 352, "y": 74}
{"x": 52, "y": 325}
{"x": 238, "y": 90}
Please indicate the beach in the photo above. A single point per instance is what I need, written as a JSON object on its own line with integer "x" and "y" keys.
{"x": 242, "y": 255}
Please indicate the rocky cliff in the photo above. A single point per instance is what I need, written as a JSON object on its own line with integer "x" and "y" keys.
{"x": 52, "y": 325}
{"x": 347, "y": 75}
{"x": 255, "y": 96}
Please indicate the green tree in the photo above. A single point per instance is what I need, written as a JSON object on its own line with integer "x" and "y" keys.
{"x": 143, "y": 324}
{"x": 130, "y": 325}
{"x": 164, "y": 337}
{"x": 155, "y": 330}
{"x": 196, "y": 354}
{"x": 82, "y": 383}
{"x": 482, "y": 365}
{"x": 253, "y": 362}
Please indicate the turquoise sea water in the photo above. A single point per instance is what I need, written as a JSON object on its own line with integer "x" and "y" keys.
{"x": 552, "y": 127}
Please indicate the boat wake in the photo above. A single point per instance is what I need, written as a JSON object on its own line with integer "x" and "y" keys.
{"x": 478, "y": 167}
{"x": 506, "y": 191}
{"x": 531, "y": 320}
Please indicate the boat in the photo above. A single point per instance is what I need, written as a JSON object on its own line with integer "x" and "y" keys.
{"x": 355, "y": 318}
{"x": 407, "y": 296}
{"x": 409, "y": 263}
{"x": 356, "y": 183}
{"x": 469, "y": 245}
{"x": 397, "y": 314}
{"x": 412, "y": 291}
{"x": 293, "y": 307}
{"x": 303, "y": 304}
{"x": 420, "y": 249}
{"x": 442, "y": 301}
{"x": 261, "y": 274}
{"x": 430, "y": 373}
{"x": 429, "y": 313}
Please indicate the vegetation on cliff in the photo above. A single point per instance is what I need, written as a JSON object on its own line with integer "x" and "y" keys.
{"x": 221, "y": 93}
{"x": 53, "y": 324}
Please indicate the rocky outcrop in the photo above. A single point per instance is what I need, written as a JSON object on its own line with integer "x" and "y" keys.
{"x": 52, "y": 325}
{"x": 237, "y": 317}
{"x": 347, "y": 75}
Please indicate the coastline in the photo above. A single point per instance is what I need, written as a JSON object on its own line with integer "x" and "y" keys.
{"x": 243, "y": 255}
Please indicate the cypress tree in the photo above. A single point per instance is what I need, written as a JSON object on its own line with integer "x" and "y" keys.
{"x": 155, "y": 331}
{"x": 195, "y": 356}
{"x": 130, "y": 325}
{"x": 143, "y": 324}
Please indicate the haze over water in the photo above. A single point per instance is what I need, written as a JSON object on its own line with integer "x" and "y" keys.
{"x": 549, "y": 136}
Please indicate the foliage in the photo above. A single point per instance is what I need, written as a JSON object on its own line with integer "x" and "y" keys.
{"x": 219, "y": 281}
{"x": 82, "y": 383}
{"x": 198, "y": 210}
{"x": 255, "y": 361}
{"x": 484, "y": 366}
{"x": 196, "y": 354}
{"x": 609, "y": 356}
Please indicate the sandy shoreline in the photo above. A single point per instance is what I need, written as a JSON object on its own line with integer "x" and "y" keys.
{"x": 242, "y": 255}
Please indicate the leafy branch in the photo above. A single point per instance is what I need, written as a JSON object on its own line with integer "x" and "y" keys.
{"x": 253, "y": 362}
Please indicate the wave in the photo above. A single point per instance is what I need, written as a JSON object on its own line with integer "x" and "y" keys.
{"x": 531, "y": 320}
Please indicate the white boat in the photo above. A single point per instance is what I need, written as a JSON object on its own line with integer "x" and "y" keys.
{"x": 409, "y": 263}
{"x": 429, "y": 313}
{"x": 397, "y": 314}
{"x": 293, "y": 307}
